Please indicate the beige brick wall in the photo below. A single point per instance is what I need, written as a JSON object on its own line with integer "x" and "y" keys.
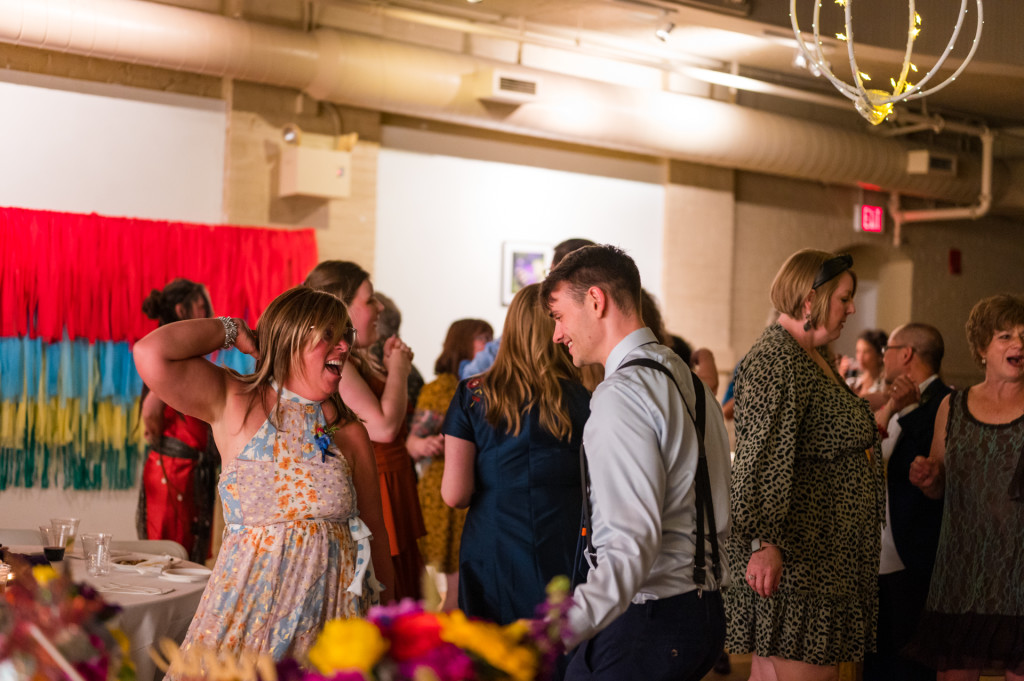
{"x": 346, "y": 228}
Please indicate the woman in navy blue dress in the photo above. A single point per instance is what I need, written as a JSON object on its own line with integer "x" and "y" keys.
{"x": 512, "y": 440}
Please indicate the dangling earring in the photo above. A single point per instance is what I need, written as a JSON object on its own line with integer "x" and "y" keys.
{"x": 807, "y": 322}
{"x": 983, "y": 361}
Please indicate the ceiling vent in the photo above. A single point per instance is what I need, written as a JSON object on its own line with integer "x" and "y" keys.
{"x": 927, "y": 162}
{"x": 506, "y": 87}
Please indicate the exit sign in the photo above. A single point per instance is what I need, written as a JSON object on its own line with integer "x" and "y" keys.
{"x": 868, "y": 218}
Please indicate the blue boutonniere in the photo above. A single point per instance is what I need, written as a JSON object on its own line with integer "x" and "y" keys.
{"x": 323, "y": 437}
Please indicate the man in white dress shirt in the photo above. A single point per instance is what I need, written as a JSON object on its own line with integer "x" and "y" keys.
{"x": 910, "y": 537}
{"x": 642, "y": 613}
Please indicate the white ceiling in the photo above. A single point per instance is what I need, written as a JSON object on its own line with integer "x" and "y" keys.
{"x": 752, "y": 38}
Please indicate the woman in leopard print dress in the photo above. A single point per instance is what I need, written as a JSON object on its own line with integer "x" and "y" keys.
{"x": 807, "y": 496}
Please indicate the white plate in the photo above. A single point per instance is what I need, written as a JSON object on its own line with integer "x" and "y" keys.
{"x": 128, "y": 562}
{"x": 186, "y": 574}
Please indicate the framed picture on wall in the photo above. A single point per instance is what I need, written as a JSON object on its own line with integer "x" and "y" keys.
{"x": 522, "y": 264}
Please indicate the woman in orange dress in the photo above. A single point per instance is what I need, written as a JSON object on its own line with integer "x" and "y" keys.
{"x": 377, "y": 392}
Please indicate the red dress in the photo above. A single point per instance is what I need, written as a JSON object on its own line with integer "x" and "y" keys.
{"x": 400, "y": 501}
{"x": 178, "y": 484}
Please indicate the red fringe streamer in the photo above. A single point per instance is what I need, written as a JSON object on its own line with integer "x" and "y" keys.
{"x": 90, "y": 273}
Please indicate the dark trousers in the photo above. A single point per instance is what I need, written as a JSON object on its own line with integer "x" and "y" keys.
{"x": 901, "y": 599}
{"x": 670, "y": 639}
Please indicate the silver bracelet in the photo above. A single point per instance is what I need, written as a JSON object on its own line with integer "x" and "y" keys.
{"x": 230, "y": 331}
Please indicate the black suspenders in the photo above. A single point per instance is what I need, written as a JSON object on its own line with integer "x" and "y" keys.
{"x": 702, "y": 482}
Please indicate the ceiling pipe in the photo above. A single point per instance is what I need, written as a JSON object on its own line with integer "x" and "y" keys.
{"x": 980, "y": 209}
{"x": 433, "y": 84}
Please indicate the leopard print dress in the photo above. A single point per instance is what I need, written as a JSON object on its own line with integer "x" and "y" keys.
{"x": 804, "y": 478}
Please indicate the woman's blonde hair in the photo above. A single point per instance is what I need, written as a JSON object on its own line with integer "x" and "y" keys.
{"x": 795, "y": 281}
{"x": 294, "y": 321}
{"x": 528, "y": 369}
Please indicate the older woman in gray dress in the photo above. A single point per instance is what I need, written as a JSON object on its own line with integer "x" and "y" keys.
{"x": 974, "y": 616}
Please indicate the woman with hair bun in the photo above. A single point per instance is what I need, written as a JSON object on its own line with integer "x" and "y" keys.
{"x": 179, "y": 475}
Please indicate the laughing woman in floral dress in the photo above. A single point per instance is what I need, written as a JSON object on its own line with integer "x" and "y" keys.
{"x": 303, "y": 521}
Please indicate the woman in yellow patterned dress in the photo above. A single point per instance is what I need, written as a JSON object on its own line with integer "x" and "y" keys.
{"x": 440, "y": 546}
{"x": 298, "y": 482}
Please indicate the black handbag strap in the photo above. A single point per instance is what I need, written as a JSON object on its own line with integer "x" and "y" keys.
{"x": 704, "y": 506}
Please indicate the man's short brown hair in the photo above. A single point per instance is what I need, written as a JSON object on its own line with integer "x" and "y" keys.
{"x": 603, "y": 266}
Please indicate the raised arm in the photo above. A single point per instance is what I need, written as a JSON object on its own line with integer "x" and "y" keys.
{"x": 929, "y": 473}
{"x": 170, "y": 360}
{"x": 353, "y": 440}
{"x": 382, "y": 417}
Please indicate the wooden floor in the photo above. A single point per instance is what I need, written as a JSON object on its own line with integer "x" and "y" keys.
{"x": 740, "y": 670}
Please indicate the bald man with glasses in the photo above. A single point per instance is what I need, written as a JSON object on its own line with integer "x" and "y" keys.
{"x": 912, "y": 360}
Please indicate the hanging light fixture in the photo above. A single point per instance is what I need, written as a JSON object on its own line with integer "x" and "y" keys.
{"x": 875, "y": 104}
{"x": 662, "y": 33}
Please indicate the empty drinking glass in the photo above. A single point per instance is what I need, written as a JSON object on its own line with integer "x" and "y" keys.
{"x": 96, "y": 546}
{"x": 72, "y": 530}
{"x": 5, "y": 574}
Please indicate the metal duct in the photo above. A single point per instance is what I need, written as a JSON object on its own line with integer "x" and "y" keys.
{"x": 427, "y": 83}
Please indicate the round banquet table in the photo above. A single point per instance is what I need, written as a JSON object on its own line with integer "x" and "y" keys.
{"x": 145, "y": 618}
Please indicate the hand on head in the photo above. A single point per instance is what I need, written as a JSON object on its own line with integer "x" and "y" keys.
{"x": 246, "y": 341}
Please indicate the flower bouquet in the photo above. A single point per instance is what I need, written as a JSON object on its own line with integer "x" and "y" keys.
{"x": 404, "y": 642}
{"x": 52, "y": 629}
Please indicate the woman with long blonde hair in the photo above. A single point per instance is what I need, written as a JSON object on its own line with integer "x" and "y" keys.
{"x": 512, "y": 439}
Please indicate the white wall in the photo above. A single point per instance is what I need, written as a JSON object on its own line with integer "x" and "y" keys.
{"x": 83, "y": 147}
{"x": 442, "y": 220}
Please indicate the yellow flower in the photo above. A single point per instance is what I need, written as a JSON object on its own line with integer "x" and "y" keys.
{"x": 43, "y": 574}
{"x": 347, "y": 644}
{"x": 495, "y": 644}
{"x": 125, "y": 644}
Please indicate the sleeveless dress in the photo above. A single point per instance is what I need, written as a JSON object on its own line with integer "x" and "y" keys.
{"x": 802, "y": 479}
{"x": 974, "y": 617}
{"x": 440, "y": 546}
{"x": 178, "y": 487}
{"x": 401, "y": 505}
{"x": 295, "y": 552}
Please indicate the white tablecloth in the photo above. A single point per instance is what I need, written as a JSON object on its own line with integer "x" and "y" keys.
{"x": 145, "y": 619}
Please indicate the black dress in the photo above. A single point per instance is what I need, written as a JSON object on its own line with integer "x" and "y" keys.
{"x": 524, "y": 516}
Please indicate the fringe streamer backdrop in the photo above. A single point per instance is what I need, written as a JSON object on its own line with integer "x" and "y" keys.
{"x": 71, "y": 292}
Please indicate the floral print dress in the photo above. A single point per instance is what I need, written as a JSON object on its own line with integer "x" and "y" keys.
{"x": 295, "y": 552}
